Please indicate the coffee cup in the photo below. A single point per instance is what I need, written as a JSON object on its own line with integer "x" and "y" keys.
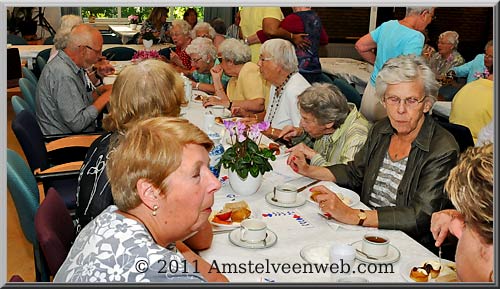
{"x": 218, "y": 110}
{"x": 343, "y": 255}
{"x": 285, "y": 194}
{"x": 253, "y": 231}
{"x": 375, "y": 245}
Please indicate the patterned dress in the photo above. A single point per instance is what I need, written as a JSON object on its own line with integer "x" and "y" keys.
{"x": 441, "y": 65}
{"x": 113, "y": 248}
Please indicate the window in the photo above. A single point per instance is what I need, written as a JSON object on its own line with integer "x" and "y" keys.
{"x": 121, "y": 13}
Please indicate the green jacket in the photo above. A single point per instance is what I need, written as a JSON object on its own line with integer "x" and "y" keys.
{"x": 421, "y": 192}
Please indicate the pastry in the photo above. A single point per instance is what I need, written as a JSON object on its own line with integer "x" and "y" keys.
{"x": 433, "y": 268}
{"x": 419, "y": 274}
{"x": 198, "y": 98}
{"x": 219, "y": 120}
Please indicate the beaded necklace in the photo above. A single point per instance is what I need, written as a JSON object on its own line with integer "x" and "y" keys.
{"x": 277, "y": 98}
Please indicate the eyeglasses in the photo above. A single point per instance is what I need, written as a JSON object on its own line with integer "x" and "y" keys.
{"x": 95, "y": 50}
{"x": 219, "y": 58}
{"x": 488, "y": 56}
{"x": 196, "y": 60}
{"x": 264, "y": 58}
{"x": 410, "y": 102}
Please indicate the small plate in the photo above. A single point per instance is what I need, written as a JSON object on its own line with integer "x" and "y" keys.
{"x": 232, "y": 225}
{"x": 448, "y": 272}
{"x": 392, "y": 256}
{"x": 316, "y": 253}
{"x": 270, "y": 240}
{"x": 301, "y": 199}
{"x": 198, "y": 95}
{"x": 351, "y": 196}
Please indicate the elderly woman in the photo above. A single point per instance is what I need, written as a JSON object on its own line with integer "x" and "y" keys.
{"x": 470, "y": 187}
{"x": 62, "y": 35}
{"x": 331, "y": 130}
{"x": 401, "y": 170}
{"x": 203, "y": 29}
{"x": 447, "y": 55}
{"x": 157, "y": 24}
{"x": 478, "y": 67}
{"x": 163, "y": 191}
{"x": 203, "y": 57}
{"x": 278, "y": 65}
{"x": 180, "y": 33}
{"x": 247, "y": 90}
{"x": 162, "y": 93}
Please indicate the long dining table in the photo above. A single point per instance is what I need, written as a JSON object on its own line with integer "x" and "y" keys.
{"x": 302, "y": 235}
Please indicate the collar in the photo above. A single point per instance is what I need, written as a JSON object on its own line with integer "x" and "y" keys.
{"x": 423, "y": 139}
{"x": 351, "y": 117}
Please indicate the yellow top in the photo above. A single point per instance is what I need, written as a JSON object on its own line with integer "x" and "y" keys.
{"x": 249, "y": 84}
{"x": 251, "y": 22}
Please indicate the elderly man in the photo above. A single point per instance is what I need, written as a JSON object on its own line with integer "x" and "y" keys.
{"x": 67, "y": 101}
{"x": 391, "y": 39}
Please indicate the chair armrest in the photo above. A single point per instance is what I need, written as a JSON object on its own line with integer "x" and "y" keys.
{"x": 71, "y": 141}
{"x": 52, "y": 137}
{"x": 63, "y": 170}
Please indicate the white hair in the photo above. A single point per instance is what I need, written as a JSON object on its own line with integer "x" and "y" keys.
{"x": 282, "y": 53}
{"x": 204, "y": 47}
{"x": 203, "y": 25}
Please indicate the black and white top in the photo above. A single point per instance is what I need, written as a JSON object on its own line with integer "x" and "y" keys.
{"x": 385, "y": 190}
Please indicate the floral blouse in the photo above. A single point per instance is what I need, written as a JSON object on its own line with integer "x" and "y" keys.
{"x": 148, "y": 26}
{"x": 441, "y": 65}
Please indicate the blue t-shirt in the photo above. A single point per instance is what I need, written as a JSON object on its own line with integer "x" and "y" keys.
{"x": 394, "y": 39}
{"x": 471, "y": 68}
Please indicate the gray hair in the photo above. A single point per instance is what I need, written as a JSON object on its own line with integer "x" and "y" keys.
{"x": 204, "y": 47}
{"x": 407, "y": 68}
{"x": 282, "y": 52}
{"x": 183, "y": 25}
{"x": 488, "y": 44}
{"x": 235, "y": 50}
{"x": 451, "y": 37}
{"x": 417, "y": 10}
{"x": 203, "y": 25}
{"x": 67, "y": 23}
{"x": 325, "y": 102}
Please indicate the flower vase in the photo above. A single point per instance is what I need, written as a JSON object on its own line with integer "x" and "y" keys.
{"x": 133, "y": 26}
{"x": 215, "y": 154}
{"x": 147, "y": 43}
{"x": 244, "y": 187}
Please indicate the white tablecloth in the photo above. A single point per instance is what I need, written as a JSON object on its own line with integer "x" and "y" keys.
{"x": 292, "y": 237}
{"x": 442, "y": 108}
{"x": 125, "y": 31}
{"x": 353, "y": 71}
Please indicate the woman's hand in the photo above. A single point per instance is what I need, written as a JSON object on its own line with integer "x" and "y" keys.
{"x": 308, "y": 152}
{"x": 443, "y": 222}
{"x": 210, "y": 101}
{"x": 290, "y": 131}
{"x": 332, "y": 205}
{"x": 216, "y": 72}
{"x": 297, "y": 161}
{"x": 175, "y": 59}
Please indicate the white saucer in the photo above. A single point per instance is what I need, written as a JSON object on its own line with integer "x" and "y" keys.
{"x": 316, "y": 253}
{"x": 270, "y": 240}
{"x": 392, "y": 256}
{"x": 298, "y": 202}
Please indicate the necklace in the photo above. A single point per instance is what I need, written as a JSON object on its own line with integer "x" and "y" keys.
{"x": 277, "y": 98}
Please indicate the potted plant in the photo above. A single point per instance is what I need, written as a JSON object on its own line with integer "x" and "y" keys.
{"x": 246, "y": 160}
{"x": 148, "y": 38}
{"x": 133, "y": 21}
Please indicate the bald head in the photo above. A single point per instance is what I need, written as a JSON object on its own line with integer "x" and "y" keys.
{"x": 84, "y": 34}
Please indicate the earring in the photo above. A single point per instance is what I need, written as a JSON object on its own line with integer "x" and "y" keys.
{"x": 155, "y": 208}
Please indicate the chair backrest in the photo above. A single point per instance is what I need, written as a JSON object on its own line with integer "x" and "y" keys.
{"x": 30, "y": 136}
{"x": 54, "y": 230}
{"x": 165, "y": 52}
{"x": 462, "y": 134}
{"x": 19, "y": 104}
{"x": 119, "y": 53}
{"x": 111, "y": 39}
{"x": 13, "y": 64}
{"x": 45, "y": 54}
{"x": 134, "y": 38}
{"x": 16, "y": 39}
{"x": 24, "y": 191}
{"x": 27, "y": 73}
{"x": 40, "y": 62}
{"x": 49, "y": 40}
{"x": 28, "y": 89}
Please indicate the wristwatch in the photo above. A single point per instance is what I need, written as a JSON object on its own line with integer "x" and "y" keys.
{"x": 362, "y": 217}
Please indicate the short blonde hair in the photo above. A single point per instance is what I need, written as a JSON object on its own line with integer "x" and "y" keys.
{"x": 150, "y": 88}
{"x": 470, "y": 187}
{"x": 150, "y": 150}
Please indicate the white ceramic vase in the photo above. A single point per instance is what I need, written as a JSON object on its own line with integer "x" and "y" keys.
{"x": 133, "y": 26}
{"x": 147, "y": 43}
{"x": 244, "y": 187}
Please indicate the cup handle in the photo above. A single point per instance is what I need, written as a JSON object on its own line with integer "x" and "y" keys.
{"x": 265, "y": 239}
{"x": 242, "y": 234}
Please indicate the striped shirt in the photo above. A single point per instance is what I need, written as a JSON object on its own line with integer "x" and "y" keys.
{"x": 386, "y": 185}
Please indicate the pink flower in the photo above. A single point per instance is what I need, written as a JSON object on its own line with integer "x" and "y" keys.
{"x": 145, "y": 54}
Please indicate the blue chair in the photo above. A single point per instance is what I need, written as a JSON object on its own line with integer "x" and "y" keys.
{"x": 16, "y": 40}
{"x": 24, "y": 191}
{"x": 49, "y": 40}
{"x": 19, "y": 104}
{"x": 27, "y": 73}
{"x": 63, "y": 156}
{"x": 28, "y": 89}
{"x": 40, "y": 62}
{"x": 45, "y": 54}
{"x": 119, "y": 53}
